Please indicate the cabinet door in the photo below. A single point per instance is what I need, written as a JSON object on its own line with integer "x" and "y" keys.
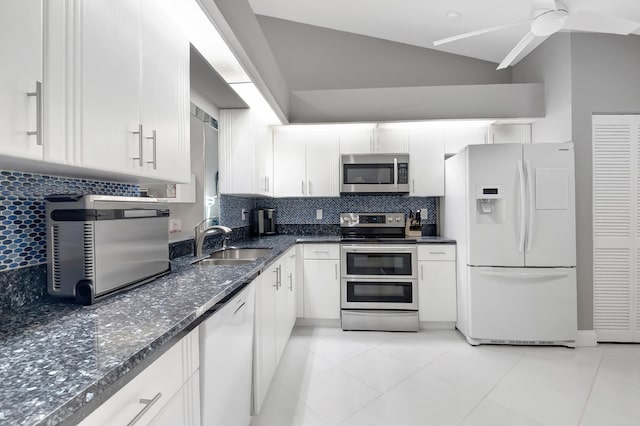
{"x": 323, "y": 164}
{"x": 289, "y": 177}
{"x": 391, "y": 141}
{"x": 264, "y": 349}
{"x": 108, "y": 86}
{"x": 321, "y": 289}
{"x": 184, "y": 407}
{"x": 263, "y": 147}
{"x": 437, "y": 291}
{"x": 356, "y": 141}
{"x": 456, "y": 138}
{"x": 236, "y": 161}
{"x": 426, "y": 163}
{"x": 21, "y": 50}
{"x": 164, "y": 103}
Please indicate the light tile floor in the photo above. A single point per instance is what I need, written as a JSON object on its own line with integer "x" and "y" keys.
{"x": 331, "y": 377}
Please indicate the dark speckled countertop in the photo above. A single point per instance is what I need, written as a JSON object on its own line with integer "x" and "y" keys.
{"x": 59, "y": 360}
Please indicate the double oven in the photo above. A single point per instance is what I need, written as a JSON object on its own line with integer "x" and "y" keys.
{"x": 379, "y": 280}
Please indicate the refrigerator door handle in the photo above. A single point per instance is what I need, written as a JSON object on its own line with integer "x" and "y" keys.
{"x": 523, "y": 218}
{"x": 531, "y": 201}
{"x": 525, "y": 275}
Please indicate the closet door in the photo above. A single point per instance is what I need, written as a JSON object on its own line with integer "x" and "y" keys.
{"x": 616, "y": 225}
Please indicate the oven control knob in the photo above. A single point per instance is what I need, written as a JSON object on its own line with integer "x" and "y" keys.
{"x": 398, "y": 218}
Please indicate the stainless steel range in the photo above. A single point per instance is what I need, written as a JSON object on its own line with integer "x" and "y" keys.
{"x": 379, "y": 280}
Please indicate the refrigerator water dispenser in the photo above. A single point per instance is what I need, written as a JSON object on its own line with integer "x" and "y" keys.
{"x": 490, "y": 204}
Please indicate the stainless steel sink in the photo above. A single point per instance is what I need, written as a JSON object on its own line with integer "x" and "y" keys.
{"x": 209, "y": 262}
{"x": 240, "y": 254}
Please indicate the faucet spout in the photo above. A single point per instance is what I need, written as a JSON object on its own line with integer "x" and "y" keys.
{"x": 202, "y": 230}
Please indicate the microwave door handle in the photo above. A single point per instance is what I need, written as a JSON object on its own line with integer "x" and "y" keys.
{"x": 395, "y": 173}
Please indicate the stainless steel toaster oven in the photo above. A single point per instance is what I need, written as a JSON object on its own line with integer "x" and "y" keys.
{"x": 98, "y": 245}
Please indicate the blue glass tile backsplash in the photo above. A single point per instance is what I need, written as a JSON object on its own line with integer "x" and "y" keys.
{"x": 22, "y": 212}
{"x": 302, "y": 211}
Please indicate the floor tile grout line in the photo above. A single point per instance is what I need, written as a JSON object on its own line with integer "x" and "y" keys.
{"x": 595, "y": 377}
{"x": 298, "y": 400}
{"x": 491, "y": 390}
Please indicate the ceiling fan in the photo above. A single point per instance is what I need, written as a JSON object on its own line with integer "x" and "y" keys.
{"x": 551, "y": 16}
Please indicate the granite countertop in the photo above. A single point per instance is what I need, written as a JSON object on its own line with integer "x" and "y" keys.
{"x": 435, "y": 240}
{"x": 57, "y": 358}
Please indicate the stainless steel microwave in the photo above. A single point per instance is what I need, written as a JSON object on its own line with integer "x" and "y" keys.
{"x": 374, "y": 173}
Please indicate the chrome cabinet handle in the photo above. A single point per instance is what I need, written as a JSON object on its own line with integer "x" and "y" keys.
{"x": 291, "y": 281}
{"x": 154, "y": 138}
{"x": 413, "y": 182}
{"x": 147, "y": 405}
{"x": 395, "y": 173}
{"x": 308, "y": 187}
{"x": 335, "y": 268}
{"x": 280, "y": 276}
{"x": 140, "y": 141}
{"x": 302, "y": 188}
{"x": 437, "y": 252}
{"x": 422, "y": 272}
{"x": 276, "y": 283}
{"x": 320, "y": 252}
{"x": 38, "y": 94}
{"x": 266, "y": 180}
{"x": 371, "y": 143}
{"x": 239, "y": 307}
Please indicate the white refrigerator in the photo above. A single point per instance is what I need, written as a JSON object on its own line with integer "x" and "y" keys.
{"x": 511, "y": 209}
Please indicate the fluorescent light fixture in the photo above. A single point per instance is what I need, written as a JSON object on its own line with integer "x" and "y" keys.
{"x": 252, "y": 96}
{"x": 204, "y": 36}
{"x": 436, "y": 123}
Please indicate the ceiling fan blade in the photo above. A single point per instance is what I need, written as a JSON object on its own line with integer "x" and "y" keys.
{"x": 590, "y": 21}
{"x": 530, "y": 48}
{"x": 522, "y": 44}
{"x": 478, "y": 32}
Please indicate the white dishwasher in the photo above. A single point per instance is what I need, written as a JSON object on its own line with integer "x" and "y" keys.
{"x": 226, "y": 347}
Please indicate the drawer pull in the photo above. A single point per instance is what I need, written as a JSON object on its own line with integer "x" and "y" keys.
{"x": 437, "y": 252}
{"x": 238, "y": 308}
{"x": 147, "y": 405}
{"x": 321, "y": 252}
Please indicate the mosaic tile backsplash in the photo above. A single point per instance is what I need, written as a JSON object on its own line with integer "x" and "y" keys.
{"x": 302, "y": 211}
{"x": 231, "y": 209}
{"x": 22, "y": 212}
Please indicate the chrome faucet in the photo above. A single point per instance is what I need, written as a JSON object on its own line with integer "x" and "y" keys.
{"x": 202, "y": 230}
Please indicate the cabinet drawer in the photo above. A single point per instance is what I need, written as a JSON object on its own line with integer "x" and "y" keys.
{"x": 437, "y": 252}
{"x": 321, "y": 251}
{"x": 156, "y": 385}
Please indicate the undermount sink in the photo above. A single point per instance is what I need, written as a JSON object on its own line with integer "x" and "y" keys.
{"x": 209, "y": 261}
{"x": 233, "y": 256}
{"x": 239, "y": 254}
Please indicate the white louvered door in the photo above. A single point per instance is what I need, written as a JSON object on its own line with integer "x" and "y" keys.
{"x": 616, "y": 227}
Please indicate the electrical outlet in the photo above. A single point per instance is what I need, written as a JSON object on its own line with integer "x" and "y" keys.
{"x": 319, "y": 214}
{"x": 244, "y": 214}
{"x": 175, "y": 225}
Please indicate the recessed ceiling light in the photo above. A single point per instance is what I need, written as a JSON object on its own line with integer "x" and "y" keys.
{"x": 453, "y": 15}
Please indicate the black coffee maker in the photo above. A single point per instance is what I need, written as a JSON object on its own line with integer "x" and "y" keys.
{"x": 263, "y": 222}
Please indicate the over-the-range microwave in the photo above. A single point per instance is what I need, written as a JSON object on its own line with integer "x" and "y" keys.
{"x": 374, "y": 173}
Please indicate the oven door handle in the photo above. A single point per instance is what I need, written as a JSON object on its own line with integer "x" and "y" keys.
{"x": 395, "y": 173}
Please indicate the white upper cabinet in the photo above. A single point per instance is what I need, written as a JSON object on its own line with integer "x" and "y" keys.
{"x": 426, "y": 162}
{"x": 356, "y": 141}
{"x": 246, "y": 153}
{"x": 391, "y": 141}
{"x": 107, "y": 86}
{"x": 164, "y": 103}
{"x": 306, "y": 163}
{"x": 323, "y": 164}
{"x": 21, "y": 50}
{"x": 117, "y": 88}
{"x": 457, "y": 138}
{"x": 369, "y": 140}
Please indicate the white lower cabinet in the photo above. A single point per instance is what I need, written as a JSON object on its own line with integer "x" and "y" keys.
{"x": 274, "y": 320}
{"x": 321, "y": 281}
{"x": 226, "y": 342}
{"x": 437, "y": 283}
{"x": 166, "y": 392}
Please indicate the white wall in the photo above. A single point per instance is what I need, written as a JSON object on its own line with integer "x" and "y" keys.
{"x": 584, "y": 74}
{"x": 550, "y": 64}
